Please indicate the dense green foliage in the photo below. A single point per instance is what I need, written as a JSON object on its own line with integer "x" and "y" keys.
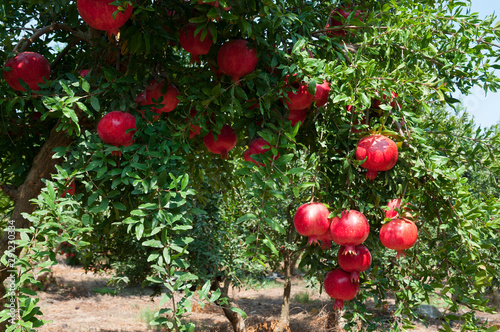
{"x": 168, "y": 212}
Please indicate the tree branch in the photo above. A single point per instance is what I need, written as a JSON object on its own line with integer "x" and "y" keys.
{"x": 53, "y": 27}
{"x": 10, "y": 191}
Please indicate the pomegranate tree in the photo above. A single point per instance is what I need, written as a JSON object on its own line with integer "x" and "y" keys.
{"x": 225, "y": 141}
{"x": 399, "y": 234}
{"x": 257, "y": 147}
{"x": 193, "y": 43}
{"x": 99, "y": 14}
{"x": 117, "y": 128}
{"x": 381, "y": 154}
{"x": 155, "y": 91}
{"x": 311, "y": 219}
{"x": 339, "y": 286}
{"x": 31, "y": 67}
{"x": 236, "y": 59}
{"x": 354, "y": 264}
{"x": 194, "y": 129}
{"x": 349, "y": 230}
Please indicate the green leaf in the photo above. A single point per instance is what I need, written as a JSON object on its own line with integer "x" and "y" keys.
{"x": 95, "y": 103}
{"x": 239, "y": 311}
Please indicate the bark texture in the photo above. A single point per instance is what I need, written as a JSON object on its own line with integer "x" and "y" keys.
{"x": 237, "y": 321}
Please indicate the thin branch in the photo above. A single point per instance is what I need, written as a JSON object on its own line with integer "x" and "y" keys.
{"x": 53, "y": 27}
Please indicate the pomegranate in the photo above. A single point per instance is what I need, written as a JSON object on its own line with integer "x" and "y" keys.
{"x": 193, "y": 43}
{"x": 31, "y": 67}
{"x": 399, "y": 234}
{"x": 311, "y": 219}
{"x": 153, "y": 93}
{"x": 71, "y": 188}
{"x": 381, "y": 153}
{"x": 338, "y": 285}
{"x": 99, "y": 15}
{"x": 225, "y": 141}
{"x": 321, "y": 96}
{"x": 325, "y": 239}
{"x": 335, "y": 20}
{"x": 297, "y": 116}
{"x": 235, "y": 59}
{"x": 114, "y": 128}
{"x": 299, "y": 100}
{"x": 377, "y": 102}
{"x": 349, "y": 230}
{"x": 393, "y": 205}
{"x": 354, "y": 264}
{"x": 84, "y": 72}
{"x": 257, "y": 147}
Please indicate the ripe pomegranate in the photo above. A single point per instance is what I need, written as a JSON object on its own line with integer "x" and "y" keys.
{"x": 84, "y": 72}
{"x": 338, "y": 285}
{"x": 322, "y": 91}
{"x": 335, "y": 21}
{"x": 325, "y": 239}
{"x": 153, "y": 93}
{"x": 299, "y": 100}
{"x": 193, "y": 43}
{"x": 381, "y": 153}
{"x": 257, "y": 147}
{"x": 226, "y": 140}
{"x": 392, "y": 205}
{"x": 399, "y": 234}
{"x": 235, "y": 59}
{"x": 99, "y": 14}
{"x": 297, "y": 116}
{"x": 349, "y": 230}
{"x": 354, "y": 264}
{"x": 114, "y": 128}
{"x": 31, "y": 67}
{"x": 311, "y": 219}
{"x": 71, "y": 188}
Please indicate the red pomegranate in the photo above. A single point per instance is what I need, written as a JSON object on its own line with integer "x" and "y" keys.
{"x": 393, "y": 205}
{"x": 322, "y": 91}
{"x": 114, "y": 128}
{"x": 349, "y": 230}
{"x": 153, "y": 93}
{"x": 297, "y": 116}
{"x": 235, "y": 59}
{"x": 99, "y": 14}
{"x": 399, "y": 234}
{"x": 381, "y": 153}
{"x": 31, "y": 67}
{"x": 338, "y": 285}
{"x": 226, "y": 140}
{"x": 311, "y": 219}
{"x": 335, "y": 20}
{"x": 299, "y": 100}
{"x": 193, "y": 43}
{"x": 325, "y": 239}
{"x": 257, "y": 147}
{"x": 355, "y": 264}
{"x": 84, "y": 72}
{"x": 71, "y": 188}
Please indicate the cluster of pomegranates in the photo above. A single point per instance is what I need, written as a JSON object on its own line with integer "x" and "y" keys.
{"x": 349, "y": 231}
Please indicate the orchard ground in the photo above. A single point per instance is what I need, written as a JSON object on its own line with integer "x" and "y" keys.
{"x": 75, "y": 301}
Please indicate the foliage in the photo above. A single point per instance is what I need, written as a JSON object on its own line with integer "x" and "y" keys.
{"x": 164, "y": 211}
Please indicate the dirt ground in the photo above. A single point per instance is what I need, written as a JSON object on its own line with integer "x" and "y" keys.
{"x": 74, "y": 302}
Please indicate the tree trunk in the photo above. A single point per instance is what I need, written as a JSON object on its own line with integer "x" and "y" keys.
{"x": 287, "y": 287}
{"x": 334, "y": 320}
{"x": 237, "y": 321}
{"x": 42, "y": 168}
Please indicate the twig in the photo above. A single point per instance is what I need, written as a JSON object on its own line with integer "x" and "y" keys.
{"x": 50, "y": 28}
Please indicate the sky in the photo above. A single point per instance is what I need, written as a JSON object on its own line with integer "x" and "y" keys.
{"x": 484, "y": 108}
